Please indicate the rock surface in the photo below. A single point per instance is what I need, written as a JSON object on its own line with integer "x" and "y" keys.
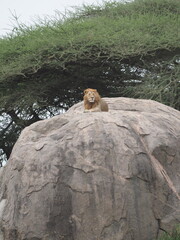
{"x": 94, "y": 176}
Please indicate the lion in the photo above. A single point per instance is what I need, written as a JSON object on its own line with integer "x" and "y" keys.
{"x": 93, "y": 102}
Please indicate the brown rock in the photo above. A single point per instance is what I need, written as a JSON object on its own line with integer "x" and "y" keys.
{"x": 94, "y": 176}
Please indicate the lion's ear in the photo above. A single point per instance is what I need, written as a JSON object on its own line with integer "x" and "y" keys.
{"x": 95, "y": 90}
{"x": 85, "y": 91}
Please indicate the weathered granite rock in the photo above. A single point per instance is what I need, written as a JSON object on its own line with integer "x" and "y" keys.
{"x": 94, "y": 176}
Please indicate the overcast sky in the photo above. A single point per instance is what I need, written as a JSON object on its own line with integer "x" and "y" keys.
{"x": 28, "y": 10}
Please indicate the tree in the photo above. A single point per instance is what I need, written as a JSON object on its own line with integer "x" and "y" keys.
{"x": 122, "y": 49}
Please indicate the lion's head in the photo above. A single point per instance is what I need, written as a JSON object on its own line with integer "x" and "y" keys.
{"x": 91, "y": 95}
{"x": 93, "y": 101}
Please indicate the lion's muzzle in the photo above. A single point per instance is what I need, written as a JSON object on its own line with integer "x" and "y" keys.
{"x": 91, "y": 99}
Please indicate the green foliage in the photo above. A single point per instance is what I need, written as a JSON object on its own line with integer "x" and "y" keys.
{"x": 122, "y": 49}
{"x": 113, "y": 31}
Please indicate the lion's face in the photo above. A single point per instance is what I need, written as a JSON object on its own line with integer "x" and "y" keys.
{"x": 90, "y": 95}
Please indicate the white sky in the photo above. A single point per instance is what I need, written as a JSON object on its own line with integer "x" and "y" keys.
{"x": 28, "y": 10}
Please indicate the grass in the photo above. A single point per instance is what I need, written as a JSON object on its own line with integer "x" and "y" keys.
{"x": 175, "y": 235}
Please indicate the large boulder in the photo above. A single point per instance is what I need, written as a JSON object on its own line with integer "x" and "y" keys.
{"x": 94, "y": 176}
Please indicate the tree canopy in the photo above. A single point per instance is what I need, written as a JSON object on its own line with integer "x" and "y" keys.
{"x": 122, "y": 49}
